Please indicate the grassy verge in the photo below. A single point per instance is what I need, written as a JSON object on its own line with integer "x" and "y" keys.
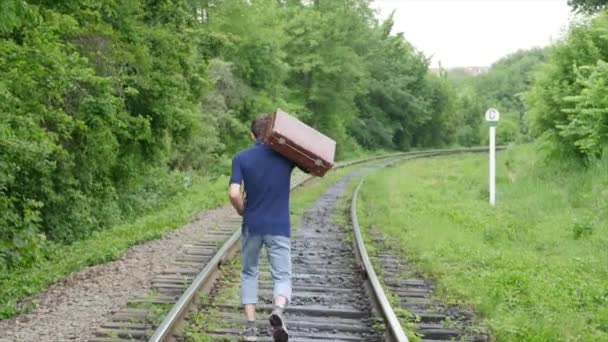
{"x": 536, "y": 266}
{"x": 106, "y": 245}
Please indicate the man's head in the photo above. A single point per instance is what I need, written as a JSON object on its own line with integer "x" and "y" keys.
{"x": 260, "y": 125}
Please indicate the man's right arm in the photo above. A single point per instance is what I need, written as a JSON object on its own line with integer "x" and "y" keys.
{"x": 236, "y": 198}
{"x": 234, "y": 192}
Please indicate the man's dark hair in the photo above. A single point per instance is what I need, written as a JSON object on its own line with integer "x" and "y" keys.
{"x": 260, "y": 125}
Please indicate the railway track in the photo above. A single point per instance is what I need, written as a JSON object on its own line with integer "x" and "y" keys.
{"x": 336, "y": 294}
{"x": 429, "y": 320}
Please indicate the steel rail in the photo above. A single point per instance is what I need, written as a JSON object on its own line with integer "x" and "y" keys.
{"x": 180, "y": 308}
{"x": 206, "y": 276}
{"x": 394, "y": 329}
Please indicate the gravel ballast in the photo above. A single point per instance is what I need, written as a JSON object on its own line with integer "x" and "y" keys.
{"x": 73, "y": 308}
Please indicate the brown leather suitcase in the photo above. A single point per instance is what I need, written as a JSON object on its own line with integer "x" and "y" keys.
{"x": 300, "y": 143}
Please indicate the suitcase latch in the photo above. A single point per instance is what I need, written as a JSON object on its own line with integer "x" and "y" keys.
{"x": 281, "y": 141}
{"x": 318, "y": 162}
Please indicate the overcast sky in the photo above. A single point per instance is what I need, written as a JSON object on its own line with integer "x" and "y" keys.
{"x": 476, "y": 32}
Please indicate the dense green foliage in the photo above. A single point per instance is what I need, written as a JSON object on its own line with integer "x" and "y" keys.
{"x": 402, "y": 106}
{"x": 507, "y": 81}
{"x": 108, "y": 107}
{"x": 503, "y": 87}
{"x": 588, "y": 6}
{"x": 535, "y": 267}
{"x": 92, "y": 96}
{"x": 568, "y": 103}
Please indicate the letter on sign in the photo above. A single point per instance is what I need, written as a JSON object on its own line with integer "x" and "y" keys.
{"x": 492, "y": 115}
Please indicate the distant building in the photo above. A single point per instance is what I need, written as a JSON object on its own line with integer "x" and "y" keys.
{"x": 476, "y": 70}
{"x": 472, "y": 70}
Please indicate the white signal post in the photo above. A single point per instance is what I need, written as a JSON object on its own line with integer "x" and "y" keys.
{"x": 492, "y": 117}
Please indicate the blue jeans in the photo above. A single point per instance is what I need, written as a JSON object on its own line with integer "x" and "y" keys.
{"x": 279, "y": 259}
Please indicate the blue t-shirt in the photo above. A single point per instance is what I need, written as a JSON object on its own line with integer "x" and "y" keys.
{"x": 267, "y": 177}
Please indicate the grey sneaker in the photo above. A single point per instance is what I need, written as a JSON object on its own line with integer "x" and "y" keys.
{"x": 249, "y": 335}
{"x": 279, "y": 331}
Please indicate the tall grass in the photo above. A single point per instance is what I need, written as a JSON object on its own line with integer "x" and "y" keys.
{"x": 536, "y": 266}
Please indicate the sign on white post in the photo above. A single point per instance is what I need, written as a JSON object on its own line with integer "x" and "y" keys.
{"x": 492, "y": 117}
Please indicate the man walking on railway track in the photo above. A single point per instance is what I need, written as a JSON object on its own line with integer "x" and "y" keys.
{"x": 266, "y": 176}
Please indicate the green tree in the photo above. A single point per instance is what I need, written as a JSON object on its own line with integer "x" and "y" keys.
{"x": 507, "y": 82}
{"x": 440, "y": 120}
{"x": 588, "y": 6}
{"x": 504, "y": 86}
{"x": 470, "y": 109}
{"x": 395, "y": 105}
{"x": 94, "y": 97}
{"x": 567, "y": 107}
{"x": 326, "y": 55}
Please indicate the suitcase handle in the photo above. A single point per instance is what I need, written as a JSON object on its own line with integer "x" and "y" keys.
{"x": 283, "y": 141}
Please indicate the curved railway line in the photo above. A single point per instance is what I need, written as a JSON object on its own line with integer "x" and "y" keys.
{"x": 337, "y": 295}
